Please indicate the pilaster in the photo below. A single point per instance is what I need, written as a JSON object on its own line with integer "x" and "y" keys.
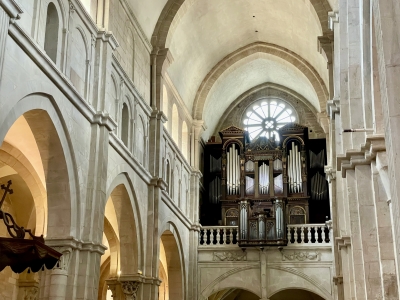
{"x": 9, "y": 12}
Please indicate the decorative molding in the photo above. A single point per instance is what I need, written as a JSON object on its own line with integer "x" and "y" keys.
{"x": 11, "y": 8}
{"x": 130, "y": 288}
{"x": 333, "y": 17}
{"x": 108, "y": 36}
{"x": 367, "y": 153}
{"x": 74, "y": 244}
{"x": 65, "y": 259}
{"x": 338, "y": 280}
{"x": 31, "y": 293}
{"x": 230, "y": 256}
{"x": 104, "y": 119}
{"x": 136, "y": 25}
{"x": 343, "y": 242}
{"x": 333, "y": 107}
{"x": 301, "y": 256}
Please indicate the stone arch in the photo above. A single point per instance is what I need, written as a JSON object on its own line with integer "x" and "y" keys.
{"x": 125, "y": 202}
{"x": 175, "y": 261}
{"x": 49, "y": 129}
{"x": 52, "y": 32}
{"x": 165, "y": 104}
{"x": 175, "y": 124}
{"x": 172, "y": 9}
{"x": 141, "y": 140}
{"x": 258, "y": 47}
{"x": 12, "y": 156}
{"x": 125, "y": 117}
{"x": 78, "y": 64}
{"x": 185, "y": 140}
{"x": 235, "y": 292}
{"x": 226, "y": 280}
{"x": 291, "y": 278}
{"x": 275, "y": 295}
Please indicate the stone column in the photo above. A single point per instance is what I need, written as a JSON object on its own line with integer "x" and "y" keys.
{"x": 386, "y": 252}
{"x": 356, "y": 242}
{"x": 9, "y": 12}
{"x": 105, "y": 44}
{"x": 57, "y": 279}
{"x": 387, "y": 17}
{"x": 368, "y": 229}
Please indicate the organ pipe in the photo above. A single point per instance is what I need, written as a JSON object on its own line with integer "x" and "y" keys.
{"x": 263, "y": 178}
{"x": 280, "y": 222}
{"x": 278, "y": 184}
{"x": 233, "y": 171}
{"x": 243, "y": 219}
{"x": 294, "y": 170}
{"x": 249, "y": 185}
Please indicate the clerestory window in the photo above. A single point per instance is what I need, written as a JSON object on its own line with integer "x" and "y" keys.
{"x": 265, "y": 117}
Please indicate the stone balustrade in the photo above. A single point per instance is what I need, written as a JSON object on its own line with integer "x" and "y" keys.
{"x": 308, "y": 234}
{"x": 218, "y": 235}
{"x": 296, "y": 234}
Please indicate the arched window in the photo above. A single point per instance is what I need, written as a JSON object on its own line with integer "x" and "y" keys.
{"x": 266, "y": 116}
{"x": 175, "y": 124}
{"x": 168, "y": 176}
{"x": 185, "y": 138}
{"x": 125, "y": 124}
{"x": 165, "y": 105}
{"x": 140, "y": 140}
{"x": 51, "y": 33}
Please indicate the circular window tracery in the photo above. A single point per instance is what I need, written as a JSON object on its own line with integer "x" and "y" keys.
{"x": 265, "y": 117}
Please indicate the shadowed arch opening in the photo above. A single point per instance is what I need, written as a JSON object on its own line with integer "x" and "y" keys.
{"x": 172, "y": 266}
{"x": 125, "y": 124}
{"x": 297, "y": 294}
{"x": 51, "y": 33}
{"x": 233, "y": 294}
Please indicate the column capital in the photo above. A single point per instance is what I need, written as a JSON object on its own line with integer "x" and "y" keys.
{"x": 333, "y": 17}
{"x": 130, "y": 288}
{"x": 333, "y": 107}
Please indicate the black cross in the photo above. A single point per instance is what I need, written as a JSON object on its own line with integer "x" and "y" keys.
{"x": 6, "y": 190}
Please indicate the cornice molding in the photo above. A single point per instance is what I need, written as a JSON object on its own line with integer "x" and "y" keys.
{"x": 343, "y": 242}
{"x": 121, "y": 149}
{"x": 364, "y": 156}
{"x": 136, "y": 25}
{"x": 333, "y": 17}
{"x": 75, "y": 244}
{"x": 333, "y": 108}
{"x": 11, "y": 8}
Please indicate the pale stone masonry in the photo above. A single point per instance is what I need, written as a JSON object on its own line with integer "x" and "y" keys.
{"x": 105, "y": 111}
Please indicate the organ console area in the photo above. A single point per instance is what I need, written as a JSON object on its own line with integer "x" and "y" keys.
{"x": 264, "y": 184}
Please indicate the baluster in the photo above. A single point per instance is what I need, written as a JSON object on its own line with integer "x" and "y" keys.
{"x": 309, "y": 234}
{"x": 223, "y": 233}
{"x": 319, "y": 234}
{"x": 302, "y": 234}
{"x": 231, "y": 236}
{"x": 289, "y": 234}
{"x": 295, "y": 235}
{"x": 201, "y": 233}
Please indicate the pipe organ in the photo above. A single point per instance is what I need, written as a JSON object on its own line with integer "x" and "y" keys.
{"x": 262, "y": 184}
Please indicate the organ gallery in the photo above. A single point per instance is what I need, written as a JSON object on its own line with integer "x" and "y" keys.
{"x": 264, "y": 183}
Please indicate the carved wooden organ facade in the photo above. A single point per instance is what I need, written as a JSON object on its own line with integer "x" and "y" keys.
{"x": 261, "y": 185}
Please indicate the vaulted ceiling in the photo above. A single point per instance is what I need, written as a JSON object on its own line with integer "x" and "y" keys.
{"x": 222, "y": 48}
